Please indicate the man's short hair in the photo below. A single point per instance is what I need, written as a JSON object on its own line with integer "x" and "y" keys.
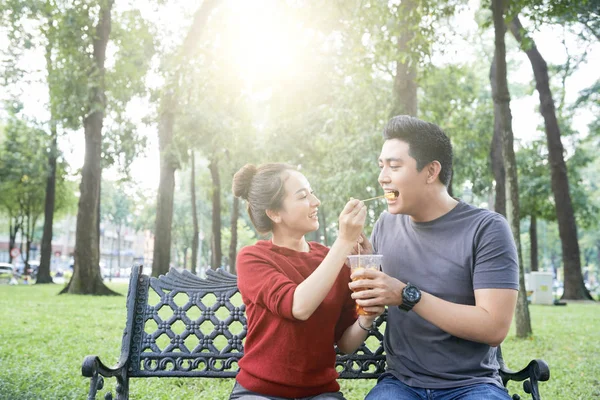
{"x": 427, "y": 142}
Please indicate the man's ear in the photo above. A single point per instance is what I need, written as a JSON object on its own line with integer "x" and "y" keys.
{"x": 274, "y": 216}
{"x": 433, "y": 171}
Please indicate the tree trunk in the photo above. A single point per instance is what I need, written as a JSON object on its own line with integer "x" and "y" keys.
{"x": 405, "y": 81}
{"x": 27, "y": 235}
{"x": 43, "y": 275}
{"x": 112, "y": 259}
{"x": 574, "y": 286}
{"x": 235, "y": 215}
{"x": 498, "y": 165}
{"x": 168, "y": 162}
{"x": 46, "y": 246}
{"x": 217, "y": 253}
{"x": 534, "y": 242}
{"x": 119, "y": 248}
{"x": 86, "y": 277}
{"x": 598, "y": 251}
{"x": 185, "y": 250}
{"x": 14, "y": 225}
{"x": 503, "y": 118}
{"x": 164, "y": 203}
{"x": 195, "y": 239}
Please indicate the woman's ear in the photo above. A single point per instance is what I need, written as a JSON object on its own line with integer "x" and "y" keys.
{"x": 274, "y": 216}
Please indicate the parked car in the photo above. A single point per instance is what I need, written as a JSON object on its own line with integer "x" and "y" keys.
{"x": 7, "y": 272}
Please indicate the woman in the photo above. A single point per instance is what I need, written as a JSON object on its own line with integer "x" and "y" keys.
{"x": 296, "y": 293}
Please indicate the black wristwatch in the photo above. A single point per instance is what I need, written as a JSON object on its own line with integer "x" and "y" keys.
{"x": 411, "y": 295}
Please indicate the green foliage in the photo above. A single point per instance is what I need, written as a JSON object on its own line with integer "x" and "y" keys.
{"x": 144, "y": 212}
{"x": 246, "y": 235}
{"x": 535, "y": 192}
{"x": 584, "y": 13}
{"x": 133, "y": 37}
{"x": 66, "y": 30}
{"x": 457, "y": 98}
{"x": 24, "y": 170}
{"x": 116, "y": 203}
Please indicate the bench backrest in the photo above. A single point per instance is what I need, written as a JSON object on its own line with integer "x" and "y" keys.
{"x": 182, "y": 325}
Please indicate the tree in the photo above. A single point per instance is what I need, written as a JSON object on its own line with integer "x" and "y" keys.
{"x": 40, "y": 10}
{"x": 43, "y": 275}
{"x": 405, "y": 79}
{"x": 196, "y": 234}
{"x": 235, "y": 214}
{"x": 74, "y": 37}
{"x": 183, "y": 229}
{"x": 22, "y": 172}
{"x": 169, "y": 104}
{"x": 457, "y": 97}
{"x": 503, "y": 119}
{"x": 86, "y": 277}
{"x": 574, "y": 286}
{"x": 534, "y": 200}
{"x": 91, "y": 81}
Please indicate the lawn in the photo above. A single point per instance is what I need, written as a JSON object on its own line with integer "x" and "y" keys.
{"x": 44, "y": 338}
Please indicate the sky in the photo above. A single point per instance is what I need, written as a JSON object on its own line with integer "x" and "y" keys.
{"x": 145, "y": 169}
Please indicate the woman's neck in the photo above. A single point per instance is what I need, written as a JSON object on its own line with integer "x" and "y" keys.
{"x": 295, "y": 243}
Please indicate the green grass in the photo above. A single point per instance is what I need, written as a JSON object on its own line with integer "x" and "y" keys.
{"x": 44, "y": 338}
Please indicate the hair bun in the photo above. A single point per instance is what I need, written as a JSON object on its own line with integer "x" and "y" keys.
{"x": 242, "y": 180}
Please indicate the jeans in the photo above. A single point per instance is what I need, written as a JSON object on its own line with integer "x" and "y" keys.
{"x": 388, "y": 387}
{"x": 241, "y": 393}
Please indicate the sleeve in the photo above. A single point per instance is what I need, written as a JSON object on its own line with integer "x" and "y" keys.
{"x": 496, "y": 264}
{"x": 348, "y": 315}
{"x": 264, "y": 284}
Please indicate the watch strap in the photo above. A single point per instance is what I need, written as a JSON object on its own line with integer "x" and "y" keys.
{"x": 406, "y": 306}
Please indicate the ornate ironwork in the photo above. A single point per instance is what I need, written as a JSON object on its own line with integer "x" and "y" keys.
{"x": 536, "y": 371}
{"x": 181, "y": 325}
{"x": 188, "y": 330}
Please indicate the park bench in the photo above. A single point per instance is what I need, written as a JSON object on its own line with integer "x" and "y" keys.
{"x": 181, "y": 325}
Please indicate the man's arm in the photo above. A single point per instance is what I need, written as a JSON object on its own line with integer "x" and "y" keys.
{"x": 488, "y": 321}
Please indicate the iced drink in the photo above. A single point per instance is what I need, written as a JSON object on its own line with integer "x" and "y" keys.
{"x": 367, "y": 261}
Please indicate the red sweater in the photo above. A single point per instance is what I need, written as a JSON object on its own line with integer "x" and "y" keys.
{"x": 283, "y": 356}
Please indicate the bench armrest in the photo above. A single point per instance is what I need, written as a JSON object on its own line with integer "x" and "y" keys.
{"x": 94, "y": 369}
{"x": 536, "y": 371}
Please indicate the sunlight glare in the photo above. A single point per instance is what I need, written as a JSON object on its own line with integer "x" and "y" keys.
{"x": 265, "y": 42}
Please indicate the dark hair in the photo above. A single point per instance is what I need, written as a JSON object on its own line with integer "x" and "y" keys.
{"x": 426, "y": 142}
{"x": 263, "y": 188}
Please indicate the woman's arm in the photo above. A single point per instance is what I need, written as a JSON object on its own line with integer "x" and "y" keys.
{"x": 311, "y": 293}
{"x": 355, "y": 335}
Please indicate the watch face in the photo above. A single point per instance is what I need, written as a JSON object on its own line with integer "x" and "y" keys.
{"x": 412, "y": 294}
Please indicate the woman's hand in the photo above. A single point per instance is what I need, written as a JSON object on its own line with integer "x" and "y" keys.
{"x": 363, "y": 246}
{"x": 367, "y": 320}
{"x": 352, "y": 220}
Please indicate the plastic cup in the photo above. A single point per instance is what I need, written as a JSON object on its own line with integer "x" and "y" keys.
{"x": 366, "y": 261}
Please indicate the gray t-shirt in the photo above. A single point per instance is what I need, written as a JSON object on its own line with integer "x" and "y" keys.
{"x": 466, "y": 249}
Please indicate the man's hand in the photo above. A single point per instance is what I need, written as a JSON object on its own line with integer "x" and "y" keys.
{"x": 376, "y": 289}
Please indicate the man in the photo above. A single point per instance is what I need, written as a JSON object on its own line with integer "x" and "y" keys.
{"x": 450, "y": 275}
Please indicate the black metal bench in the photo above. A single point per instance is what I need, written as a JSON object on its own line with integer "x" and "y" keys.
{"x": 180, "y": 325}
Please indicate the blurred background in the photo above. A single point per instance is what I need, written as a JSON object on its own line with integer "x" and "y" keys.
{"x": 122, "y": 123}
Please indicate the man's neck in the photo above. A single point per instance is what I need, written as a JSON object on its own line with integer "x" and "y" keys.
{"x": 434, "y": 206}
